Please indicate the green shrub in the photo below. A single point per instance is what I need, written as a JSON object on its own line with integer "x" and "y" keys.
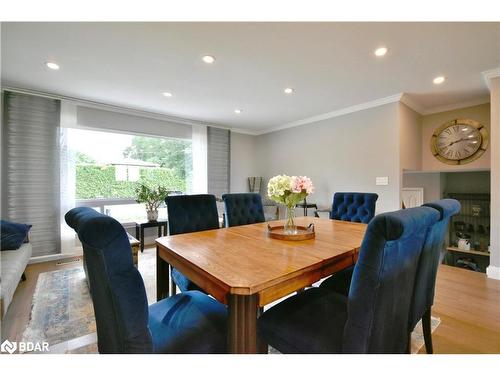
{"x": 97, "y": 181}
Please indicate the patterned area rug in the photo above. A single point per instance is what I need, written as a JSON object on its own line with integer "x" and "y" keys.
{"x": 62, "y": 313}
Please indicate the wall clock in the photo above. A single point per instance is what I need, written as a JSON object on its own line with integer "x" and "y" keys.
{"x": 459, "y": 141}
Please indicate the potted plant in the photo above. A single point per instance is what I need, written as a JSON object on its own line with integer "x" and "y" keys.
{"x": 152, "y": 198}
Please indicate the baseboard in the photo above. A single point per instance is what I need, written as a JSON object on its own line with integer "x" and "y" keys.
{"x": 48, "y": 258}
{"x": 493, "y": 272}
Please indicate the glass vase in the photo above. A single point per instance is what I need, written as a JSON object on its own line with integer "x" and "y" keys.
{"x": 290, "y": 227}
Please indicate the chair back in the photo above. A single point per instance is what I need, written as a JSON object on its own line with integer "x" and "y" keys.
{"x": 423, "y": 295}
{"x": 243, "y": 208}
{"x": 191, "y": 213}
{"x": 382, "y": 284}
{"x": 358, "y": 207}
{"x": 117, "y": 288}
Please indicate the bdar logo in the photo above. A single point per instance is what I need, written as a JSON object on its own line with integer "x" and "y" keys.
{"x": 8, "y": 347}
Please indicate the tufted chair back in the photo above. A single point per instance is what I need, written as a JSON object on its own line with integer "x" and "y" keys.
{"x": 191, "y": 213}
{"x": 382, "y": 284}
{"x": 243, "y": 208}
{"x": 117, "y": 288}
{"x": 358, "y": 207}
{"x": 423, "y": 297}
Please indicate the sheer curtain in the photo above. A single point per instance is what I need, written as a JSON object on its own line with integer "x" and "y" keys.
{"x": 199, "y": 152}
{"x": 68, "y": 176}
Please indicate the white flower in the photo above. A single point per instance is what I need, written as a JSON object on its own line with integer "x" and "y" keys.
{"x": 278, "y": 185}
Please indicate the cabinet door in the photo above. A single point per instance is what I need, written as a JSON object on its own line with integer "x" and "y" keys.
{"x": 413, "y": 197}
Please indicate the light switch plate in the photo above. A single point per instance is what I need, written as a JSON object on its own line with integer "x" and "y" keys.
{"x": 382, "y": 181}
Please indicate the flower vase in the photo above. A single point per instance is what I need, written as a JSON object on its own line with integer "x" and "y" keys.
{"x": 290, "y": 227}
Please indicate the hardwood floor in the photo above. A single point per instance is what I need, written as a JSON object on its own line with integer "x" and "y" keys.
{"x": 467, "y": 302}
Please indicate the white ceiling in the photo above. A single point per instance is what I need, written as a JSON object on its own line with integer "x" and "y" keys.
{"x": 330, "y": 65}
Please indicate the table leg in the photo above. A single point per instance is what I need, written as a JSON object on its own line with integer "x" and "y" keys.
{"x": 162, "y": 277}
{"x": 159, "y": 230}
{"x": 142, "y": 239}
{"x": 242, "y": 325}
{"x": 173, "y": 287}
{"x": 136, "y": 231}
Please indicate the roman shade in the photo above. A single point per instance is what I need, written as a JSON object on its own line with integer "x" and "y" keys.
{"x": 31, "y": 182}
{"x": 218, "y": 164}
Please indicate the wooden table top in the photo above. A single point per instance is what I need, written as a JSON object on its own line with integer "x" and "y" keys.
{"x": 244, "y": 260}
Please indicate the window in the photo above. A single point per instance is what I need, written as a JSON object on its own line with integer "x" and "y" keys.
{"x": 110, "y": 166}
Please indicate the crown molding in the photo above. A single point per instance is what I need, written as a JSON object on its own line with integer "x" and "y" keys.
{"x": 409, "y": 102}
{"x": 400, "y": 97}
{"x": 451, "y": 107}
{"x": 488, "y": 75}
{"x": 336, "y": 113}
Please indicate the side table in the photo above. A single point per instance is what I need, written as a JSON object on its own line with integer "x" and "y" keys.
{"x": 306, "y": 205}
{"x": 139, "y": 229}
{"x": 134, "y": 244}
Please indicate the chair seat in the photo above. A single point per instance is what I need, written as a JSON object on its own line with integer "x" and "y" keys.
{"x": 189, "y": 322}
{"x": 339, "y": 282}
{"x": 183, "y": 282}
{"x": 310, "y": 322}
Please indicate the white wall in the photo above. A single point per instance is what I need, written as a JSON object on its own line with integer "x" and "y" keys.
{"x": 494, "y": 269}
{"x": 344, "y": 153}
{"x": 243, "y": 161}
{"x": 431, "y": 182}
{"x": 410, "y": 138}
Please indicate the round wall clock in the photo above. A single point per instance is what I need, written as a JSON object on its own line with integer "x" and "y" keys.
{"x": 459, "y": 141}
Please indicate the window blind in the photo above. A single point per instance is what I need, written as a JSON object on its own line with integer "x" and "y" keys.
{"x": 218, "y": 163}
{"x": 32, "y": 171}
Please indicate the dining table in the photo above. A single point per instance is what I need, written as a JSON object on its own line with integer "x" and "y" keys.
{"x": 245, "y": 269}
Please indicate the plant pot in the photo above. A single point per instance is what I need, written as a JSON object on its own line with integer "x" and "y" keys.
{"x": 152, "y": 215}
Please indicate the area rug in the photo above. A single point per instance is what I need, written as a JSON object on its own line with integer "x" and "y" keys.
{"x": 62, "y": 313}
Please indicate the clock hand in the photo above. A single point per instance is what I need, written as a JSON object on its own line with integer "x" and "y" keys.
{"x": 460, "y": 140}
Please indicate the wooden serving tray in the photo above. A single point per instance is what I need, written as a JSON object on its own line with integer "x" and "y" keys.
{"x": 303, "y": 233}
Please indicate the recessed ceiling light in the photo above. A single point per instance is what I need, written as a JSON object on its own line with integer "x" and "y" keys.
{"x": 465, "y": 129}
{"x": 208, "y": 59}
{"x": 439, "y": 80}
{"x": 238, "y": 111}
{"x": 167, "y": 94}
{"x": 470, "y": 136}
{"x": 381, "y": 51}
{"x": 288, "y": 90}
{"x": 474, "y": 141}
{"x": 52, "y": 65}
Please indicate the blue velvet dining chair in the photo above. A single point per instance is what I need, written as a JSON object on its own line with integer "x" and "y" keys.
{"x": 190, "y": 213}
{"x": 190, "y": 322}
{"x": 243, "y": 209}
{"x": 356, "y": 207}
{"x": 423, "y": 295}
{"x": 373, "y": 318}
